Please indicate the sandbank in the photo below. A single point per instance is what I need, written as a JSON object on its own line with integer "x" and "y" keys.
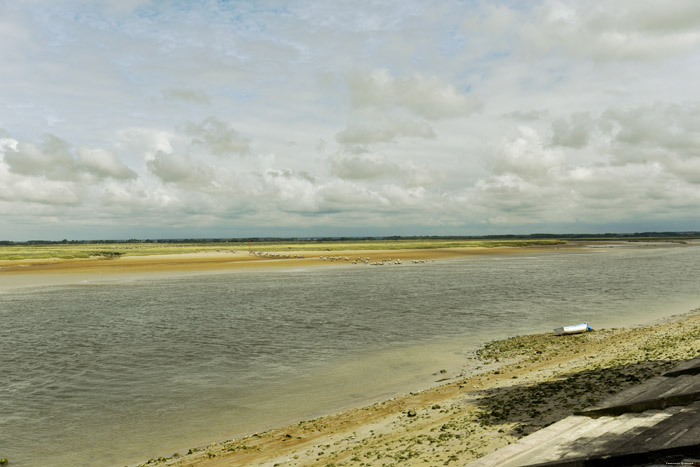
{"x": 55, "y": 271}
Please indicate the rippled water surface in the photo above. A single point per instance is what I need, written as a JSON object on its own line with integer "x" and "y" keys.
{"x": 114, "y": 373}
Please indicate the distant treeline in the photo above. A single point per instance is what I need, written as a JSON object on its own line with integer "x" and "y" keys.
{"x": 535, "y": 236}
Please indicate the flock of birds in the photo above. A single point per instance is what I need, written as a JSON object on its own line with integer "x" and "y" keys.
{"x": 367, "y": 260}
{"x": 267, "y": 254}
{"x": 357, "y": 260}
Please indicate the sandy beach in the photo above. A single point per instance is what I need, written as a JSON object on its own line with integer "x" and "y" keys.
{"x": 521, "y": 384}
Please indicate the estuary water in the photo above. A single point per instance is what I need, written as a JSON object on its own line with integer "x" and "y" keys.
{"x": 116, "y": 372}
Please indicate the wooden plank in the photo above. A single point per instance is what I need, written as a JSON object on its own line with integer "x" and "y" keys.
{"x": 658, "y": 394}
{"x": 691, "y": 367}
{"x": 509, "y": 455}
{"x": 562, "y": 441}
{"x": 620, "y": 427}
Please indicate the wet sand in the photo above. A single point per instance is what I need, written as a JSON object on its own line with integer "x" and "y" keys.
{"x": 520, "y": 385}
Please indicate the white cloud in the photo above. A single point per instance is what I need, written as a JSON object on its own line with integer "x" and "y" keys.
{"x": 144, "y": 142}
{"x": 23, "y": 189}
{"x": 526, "y": 156}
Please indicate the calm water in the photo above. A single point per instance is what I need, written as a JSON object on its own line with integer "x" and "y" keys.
{"x": 113, "y": 373}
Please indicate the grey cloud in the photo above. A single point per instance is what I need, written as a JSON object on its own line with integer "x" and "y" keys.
{"x": 54, "y": 160}
{"x": 31, "y": 190}
{"x": 345, "y": 195}
{"x": 668, "y": 135}
{"x": 376, "y": 166}
{"x": 383, "y": 132}
{"x": 180, "y": 169}
{"x": 427, "y": 97}
{"x": 673, "y": 127}
{"x": 103, "y": 164}
{"x": 365, "y": 166}
{"x": 621, "y": 30}
{"x": 663, "y": 134}
{"x": 218, "y": 137}
{"x": 533, "y": 182}
{"x": 675, "y": 16}
{"x": 573, "y": 133}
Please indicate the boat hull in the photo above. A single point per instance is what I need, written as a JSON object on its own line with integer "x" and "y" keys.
{"x": 575, "y": 329}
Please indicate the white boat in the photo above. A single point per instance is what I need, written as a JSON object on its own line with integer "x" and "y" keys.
{"x": 575, "y": 329}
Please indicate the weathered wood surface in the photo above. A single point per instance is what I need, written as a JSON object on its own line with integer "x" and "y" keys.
{"x": 660, "y": 417}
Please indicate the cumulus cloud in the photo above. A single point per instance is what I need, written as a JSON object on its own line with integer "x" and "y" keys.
{"x": 384, "y": 131}
{"x": 574, "y": 132}
{"x": 218, "y": 137}
{"x": 144, "y": 141}
{"x": 179, "y": 168}
{"x": 526, "y": 156}
{"x": 289, "y": 191}
{"x": 667, "y": 135}
{"x": 424, "y": 96}
{"x": 623, "y": 30}
{"x": 532, "y": 182}
{"x": 16, "y": 188}
{"x": 54, "y": 160}
{"x": 664, "y": 134}
{"x": 364, "y": 166}
{"x": 103, "y": 164}
{"x": 373, "y": 166}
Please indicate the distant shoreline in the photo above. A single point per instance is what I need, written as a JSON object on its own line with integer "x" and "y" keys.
{"x": 47, "y": 271}
{"x": 20, "y": 273}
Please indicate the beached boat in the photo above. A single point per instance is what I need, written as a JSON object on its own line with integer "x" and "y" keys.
{"x": 575, "y": 329}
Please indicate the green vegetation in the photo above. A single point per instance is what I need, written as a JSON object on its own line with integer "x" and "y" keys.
{"x": 394, "y": 244}
{"x": 76, "y": 249}
{"x": 90, "y": 250}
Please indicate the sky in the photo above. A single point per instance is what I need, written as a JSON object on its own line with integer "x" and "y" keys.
{"x": 227, "y": 119}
